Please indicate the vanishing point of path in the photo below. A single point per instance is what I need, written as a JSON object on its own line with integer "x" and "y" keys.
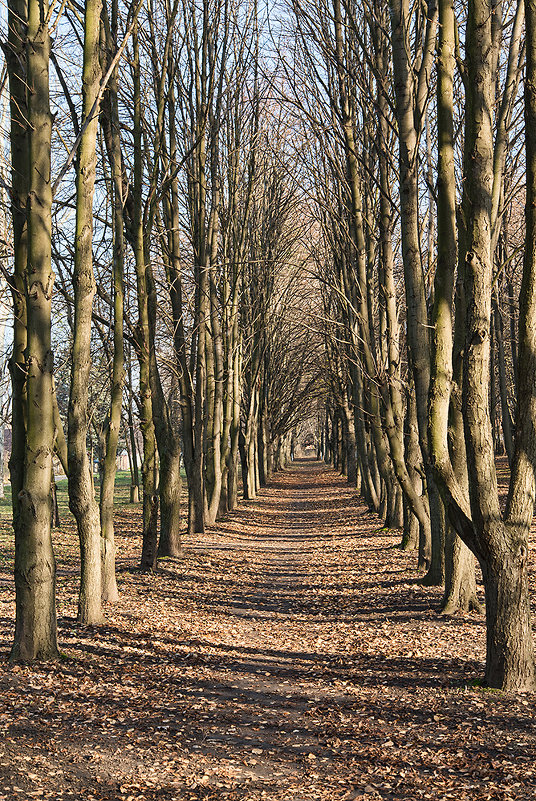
{"x": 290, "y": 655}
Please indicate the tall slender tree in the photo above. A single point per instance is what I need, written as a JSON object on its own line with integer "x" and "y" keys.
{"x": 35, "y": 568}
{"x": 81, "y": 492}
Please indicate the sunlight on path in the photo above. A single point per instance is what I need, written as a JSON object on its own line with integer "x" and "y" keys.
{"x": 290, "y": 655}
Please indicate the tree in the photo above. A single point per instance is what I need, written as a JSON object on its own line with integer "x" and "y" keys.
{"x": 498, "y": 540}
{"x": 35, "y": 624}
{"x": 460, "y": 587}
{"x": 411, "y": 85}
{"x": 81, "y": 492}
{"x": 111, "y": 110}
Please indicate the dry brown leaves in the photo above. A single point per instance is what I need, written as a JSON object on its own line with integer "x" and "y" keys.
{"x": 290, "y": 655}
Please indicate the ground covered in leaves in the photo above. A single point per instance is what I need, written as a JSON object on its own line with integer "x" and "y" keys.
{"x": 289, "y": 655}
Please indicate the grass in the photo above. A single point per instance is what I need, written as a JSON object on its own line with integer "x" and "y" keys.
{"x": 65, "y": 539}
{"x": 122, "y": 498}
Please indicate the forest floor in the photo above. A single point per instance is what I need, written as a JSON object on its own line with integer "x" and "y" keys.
{"x": 290, "y": 655}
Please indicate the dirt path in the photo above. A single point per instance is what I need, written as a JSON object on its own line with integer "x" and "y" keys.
{"x": 290, "y": 655}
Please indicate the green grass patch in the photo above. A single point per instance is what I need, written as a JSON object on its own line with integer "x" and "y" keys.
{"x": 121, "y": 497}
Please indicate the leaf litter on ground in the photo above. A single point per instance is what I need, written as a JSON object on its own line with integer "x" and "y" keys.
{"x": 290, "y": 654}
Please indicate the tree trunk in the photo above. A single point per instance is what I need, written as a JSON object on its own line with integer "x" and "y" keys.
{"x": 410, "y": 98}
{"x": 167, "y": 436}
{"x": 460, "y": 586}
{"x": 216, "y": 405}
{"x": 170, "y": 509}
{"x": 460, "y": 583}
{"x": 35, "y": 567}
{"x": 135, "y": 486}
{"x": 81, "y": 492}
{"x": 414, "y": 467}
{"x": 55, "y": 521}
{"x": 501, "y": 544}
{"x": 16, "y": 58}
{"x": 109, "y": 584}
{"x": 232, "y": 477}
{"x": 509, "y": 643}
{"x": 350, "y": 442}
{"x": 506, "y": 419}
{"x": 148, "y": 469}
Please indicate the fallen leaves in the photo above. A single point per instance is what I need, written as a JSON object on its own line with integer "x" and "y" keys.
{"x": 271, "y": 662}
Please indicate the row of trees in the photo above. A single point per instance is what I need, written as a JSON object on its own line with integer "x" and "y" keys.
{"x": 234, "y": 231}
{"x": 422, "y": 139}
{"x": 152, "y": 189}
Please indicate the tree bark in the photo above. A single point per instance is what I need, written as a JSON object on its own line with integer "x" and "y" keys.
{"x": 410, "y": 95}
{"x": 148, "y": 469}
{"x": 460, "y": 586}
{"x": 109, "y": 583}
{"x": 81, "y": 493}
{"x": 500, "y": 543}
{"x": 16, "y": 58}
{"x": 506, "y": 419}
{"x": 35, "y": 567}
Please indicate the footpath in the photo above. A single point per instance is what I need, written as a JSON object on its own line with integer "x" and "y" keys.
{"x": 290, "y": 655}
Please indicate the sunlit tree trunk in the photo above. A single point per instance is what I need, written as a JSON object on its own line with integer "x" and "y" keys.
{"x": 109, "y": 584}
{"x": 500, "y": 543}
{"x": 81, "y": 492}
{"x": 460, "y": 585}
{"x": 35, "y": 567}
{"x": 411, "y": 95}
